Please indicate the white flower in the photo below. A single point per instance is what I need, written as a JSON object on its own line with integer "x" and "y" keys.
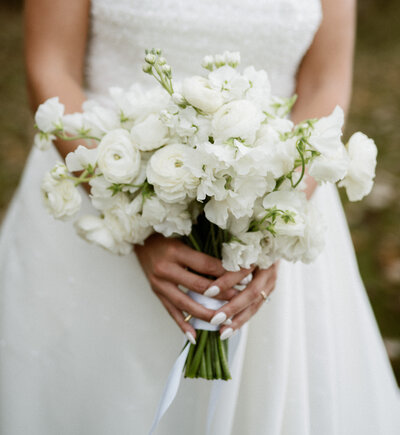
{"x": 359, "y": 179}
{"x": 177, "y": 221}
{"x": 199, "y": 93}
{"x": 332, "y": 163}
{"x": 149, "y": 134}
{"x": 243, "y": 251}
{"x": 237, "y": 119}
{"x": 43, "y": 141}
{"x": 260, "y": 91}
{"x": 168, "y": 173}
{"x": 118, "y": 158}
{"x": 48, "y": 116}
{"x": 94, "y": 229}
{"x": 292, "y": 201}
{"x": 61, "y": 198}
{"x": 229, "y": 82}
{"x": 81, "y": 158}
{"x": 59, "y": 171}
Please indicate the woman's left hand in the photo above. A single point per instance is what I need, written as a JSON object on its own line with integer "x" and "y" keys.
{"x": 244, "y": 305}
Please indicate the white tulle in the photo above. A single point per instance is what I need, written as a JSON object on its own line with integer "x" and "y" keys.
{"x": 86, "y": 346}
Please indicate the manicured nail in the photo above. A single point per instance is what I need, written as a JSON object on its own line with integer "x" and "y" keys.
{"x": 228, "y": 322}
{"x": 247, "y": 279}
{"x": 218, "y": 319}
{"x": 227, "y": 333}
{"x": 212, "y": 291}
{"x": 190, "y": 337}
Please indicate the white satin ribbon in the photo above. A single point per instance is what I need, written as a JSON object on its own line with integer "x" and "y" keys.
{"x": 175, "y": 375}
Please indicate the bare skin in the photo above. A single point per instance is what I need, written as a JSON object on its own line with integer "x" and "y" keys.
{"x": 55, "y": 42}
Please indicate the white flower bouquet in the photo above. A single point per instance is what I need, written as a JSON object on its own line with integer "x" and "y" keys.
{"x": 213, "y": 160}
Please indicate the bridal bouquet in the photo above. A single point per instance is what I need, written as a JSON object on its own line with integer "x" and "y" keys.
{"x": 214, "y": 160}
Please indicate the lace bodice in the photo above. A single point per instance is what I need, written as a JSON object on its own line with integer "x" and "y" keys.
{"x": 270, "y": 34}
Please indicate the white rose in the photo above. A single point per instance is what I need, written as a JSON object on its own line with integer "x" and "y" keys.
{"x": 359, "y": 179}
{"x": 61, "y": 197}
{"x": 118, "y": 158}
{"x": 94, "y": 230}
{"x": 237, "y": 119}
{"x": 168, "y": 173}
{"x": 43, "y": 141}
{"x": 81, "y": 158}
{"x": 149, "y": 134}
{"x": 243, "y": 252}
{"x": 199, "y": 93}
{"x": 48, "y": 116}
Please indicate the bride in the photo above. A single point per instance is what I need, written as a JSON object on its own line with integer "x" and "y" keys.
{"x": 86, "y": 342}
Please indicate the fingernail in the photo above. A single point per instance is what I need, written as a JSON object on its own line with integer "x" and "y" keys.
{"x": 227, "y": 333}
{"x": 228, "y": 322}
{"x": 190, "y": 337}
{"x": 247, "y": 279}
{"x": 239, "y": 287}
{"x": 218, "y": 319}
{"x": 212, "y": 291}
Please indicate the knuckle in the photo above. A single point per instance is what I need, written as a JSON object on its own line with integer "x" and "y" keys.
{"x": 160, "y": 268}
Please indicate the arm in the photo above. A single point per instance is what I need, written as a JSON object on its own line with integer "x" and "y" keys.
{"x": 324, "y": 79}
{"x": 55, "y": 43}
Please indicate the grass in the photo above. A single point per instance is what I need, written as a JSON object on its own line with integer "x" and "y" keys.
{"x": 375, "y": 110}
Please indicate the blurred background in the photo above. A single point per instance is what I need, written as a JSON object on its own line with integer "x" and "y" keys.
{"x": 375, "y": 110}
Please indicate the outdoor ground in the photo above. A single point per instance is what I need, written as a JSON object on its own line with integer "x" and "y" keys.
{"x": 375, "y": 110}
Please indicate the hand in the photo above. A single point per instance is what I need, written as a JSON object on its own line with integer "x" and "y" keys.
{"x": 166, "y": 261}
{"x": 245, "y": 304}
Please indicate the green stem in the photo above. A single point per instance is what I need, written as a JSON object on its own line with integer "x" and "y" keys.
{"x": 193, "y": 241}
{"x": 208, "y": 359}
{"x": 223, "y": 359}
{"x": 80, "y": 136}
{"x": 201, "y": 342}
{"x": 218, "y": 371}
{"x": 303, "y": 167}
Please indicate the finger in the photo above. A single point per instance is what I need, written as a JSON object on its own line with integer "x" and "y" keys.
{"x": 229, "y": 280}
{"x": 199, "y": 262}
{"x": 179, "y": 318}
{"x": 180, "y": 300}
{"x": 178, "y": 275}
{"x": 246, "y": 297}
{"x": 240, "y": 319}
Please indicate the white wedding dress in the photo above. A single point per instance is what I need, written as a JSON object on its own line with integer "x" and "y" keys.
{"x": 86, "y": 346}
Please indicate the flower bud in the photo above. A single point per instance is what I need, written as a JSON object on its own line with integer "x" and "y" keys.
{"x": 162, "y": 60}
{"x": 208, "y": 62}
{"x": 219, "y": 60}
{"x": 178, "y": 99}
{"x": 166, "y": 68}
{"x": 147, "y": 68}
{"x": 150, "y": 58}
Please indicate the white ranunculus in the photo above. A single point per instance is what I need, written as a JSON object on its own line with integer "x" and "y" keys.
{"x": 118, "y": 158}
{"x": 359, "y": 179}
{"x": 61, "y": 198}
{"x": 81, "y": 158}
{"x": 43, "y": 141}
{"x": 154, "y": 211}
{"x": 173, "y": 181}
{"x": 149, "y": 134}
{"x": 237, "y": 119}
{"x": 243, "y": 252}
{"x": 94, "y": 230}
{"x": 48, "y": 116}
{"x": 99, "y": 119}
{"x": 199, "y": 93}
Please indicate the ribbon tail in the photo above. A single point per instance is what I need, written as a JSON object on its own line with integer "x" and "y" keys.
{"x": 171, "y": 388}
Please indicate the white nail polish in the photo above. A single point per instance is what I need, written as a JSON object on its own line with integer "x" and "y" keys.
{"x": 226, "y": 334}
{"x": 247, "y": 279}
{"x": 218, "y": 319}
{"x": 190, "y": 337}
{"x": 212, "y": 291}
{"x": 228, "y": 322}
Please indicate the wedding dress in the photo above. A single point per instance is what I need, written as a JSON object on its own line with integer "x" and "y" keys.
{"x": 85, "y": 344}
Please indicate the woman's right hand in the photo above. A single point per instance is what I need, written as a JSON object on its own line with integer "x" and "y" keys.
{"x": 168, "y": 262}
